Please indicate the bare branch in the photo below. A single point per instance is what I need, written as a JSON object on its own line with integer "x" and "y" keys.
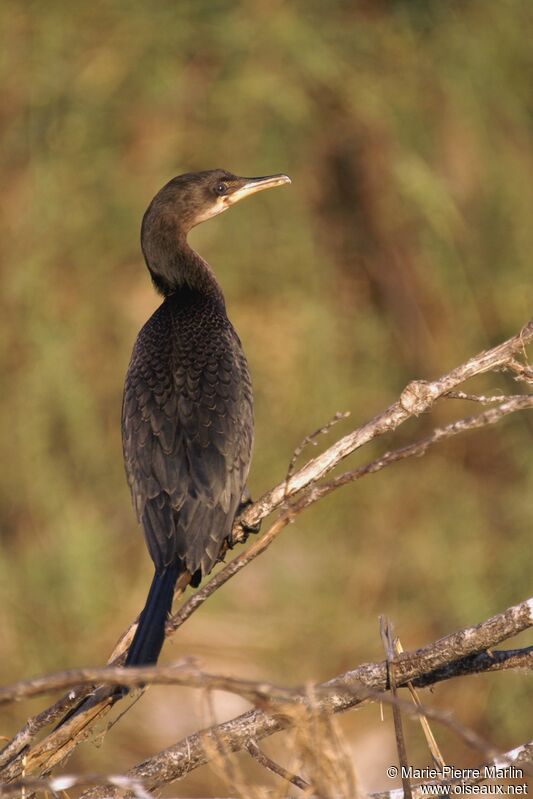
{"x": 483, "y": 399}
{"x": 416, "y": 398}
{"x": 334, "y": 696}
{"x": 420, "y": 447}
{"x": 255, "y": 692}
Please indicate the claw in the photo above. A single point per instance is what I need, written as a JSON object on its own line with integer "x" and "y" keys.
{"x": 246, "y": 501}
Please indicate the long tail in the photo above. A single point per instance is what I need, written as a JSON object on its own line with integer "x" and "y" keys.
{"x": 147, "y": 641}
{"x": 150, "y": 634}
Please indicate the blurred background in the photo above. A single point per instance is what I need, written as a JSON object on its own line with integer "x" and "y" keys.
{"x": 402, "y": 247}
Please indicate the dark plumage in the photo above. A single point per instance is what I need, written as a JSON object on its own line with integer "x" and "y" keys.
{"x": 187, "y": 420}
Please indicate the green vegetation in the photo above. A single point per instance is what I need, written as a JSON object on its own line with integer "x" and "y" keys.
{"x": 402, "y": 247}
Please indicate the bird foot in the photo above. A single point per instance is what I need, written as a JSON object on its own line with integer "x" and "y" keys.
{"x": 247, "y": 529}
{"x": 245, "y": 503}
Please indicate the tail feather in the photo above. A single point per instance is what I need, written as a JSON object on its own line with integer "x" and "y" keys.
{"x": 147, "y": 641}
{"x": 150, "y": 634}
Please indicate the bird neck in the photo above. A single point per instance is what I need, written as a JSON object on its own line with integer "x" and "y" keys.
{"x": 176, "y": 267}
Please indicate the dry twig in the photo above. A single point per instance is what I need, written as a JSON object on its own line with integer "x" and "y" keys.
{"x": 253, "y": 749}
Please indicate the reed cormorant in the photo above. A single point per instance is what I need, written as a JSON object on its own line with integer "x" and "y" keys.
{"x": 187, "y": 419}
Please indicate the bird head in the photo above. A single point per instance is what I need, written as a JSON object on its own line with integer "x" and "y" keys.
{"x": 184, "y": 202}
{"x": 197, "y": 196}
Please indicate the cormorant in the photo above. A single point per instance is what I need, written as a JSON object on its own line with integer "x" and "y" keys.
{"x": 187, "y": 419}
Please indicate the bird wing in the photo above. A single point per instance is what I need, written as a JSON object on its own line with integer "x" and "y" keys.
{"x": 187, "y": 436}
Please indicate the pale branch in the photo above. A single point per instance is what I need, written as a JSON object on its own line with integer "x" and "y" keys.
{"x": 519, "y": 757}
{"x": 256, "y": 692}
{"x": 419, "y": 448}
{"x": 24, "y": 737}
{"x": 334, "y": 696}
{"x": 468, "y": 641}
{"x": 416, "y": 398}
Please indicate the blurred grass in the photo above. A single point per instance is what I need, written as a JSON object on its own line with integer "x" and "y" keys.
{"x": 402, "y": 247}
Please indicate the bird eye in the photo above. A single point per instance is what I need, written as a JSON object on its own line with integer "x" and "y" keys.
{"x": 221, "y": 188}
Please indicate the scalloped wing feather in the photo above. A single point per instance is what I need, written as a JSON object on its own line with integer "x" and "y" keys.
{"x": 187, "y": 426}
